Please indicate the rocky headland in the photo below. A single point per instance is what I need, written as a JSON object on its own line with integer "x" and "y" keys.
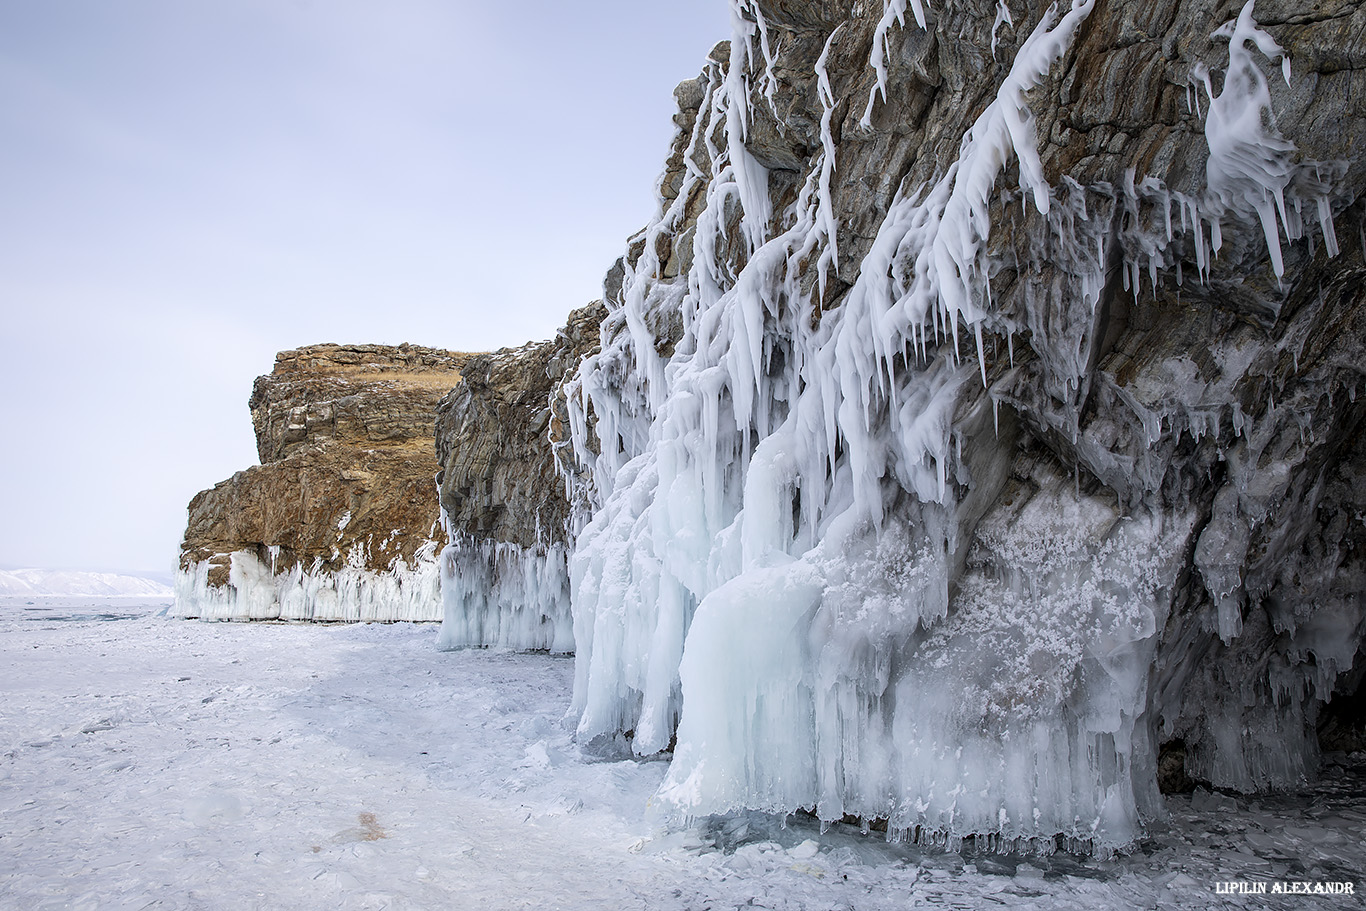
{"x": 340, "y": 520}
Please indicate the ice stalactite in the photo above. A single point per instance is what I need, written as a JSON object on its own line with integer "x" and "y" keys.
{"x": 893, "y": 11}
{"x": 750, "y": 177}
{"x": 351, "y": 594}
{"x": 1249, "y": 168}
{"x": 1003, "y": 17}
{"x": 748, "y": 22}
{"x": 826, "y": 229}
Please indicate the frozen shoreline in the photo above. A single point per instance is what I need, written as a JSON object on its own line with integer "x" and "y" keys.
{"x": 154, "y": 763}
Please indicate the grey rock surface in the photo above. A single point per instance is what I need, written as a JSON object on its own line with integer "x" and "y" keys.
{"x": 499, "y": 481}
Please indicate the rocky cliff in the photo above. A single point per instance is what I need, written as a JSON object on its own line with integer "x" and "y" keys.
{"x": 340, "y": 520}
{"x": 977, "y": 420}
{"x": 504, "y": 575}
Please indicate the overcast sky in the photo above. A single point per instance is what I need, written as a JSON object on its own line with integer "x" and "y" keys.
{"x": 188, "y": 187}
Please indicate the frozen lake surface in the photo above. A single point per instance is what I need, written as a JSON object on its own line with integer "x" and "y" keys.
{"x": 163, "y": 764}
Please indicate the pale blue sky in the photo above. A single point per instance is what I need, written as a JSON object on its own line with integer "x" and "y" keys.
{"x": 187, "y": 188}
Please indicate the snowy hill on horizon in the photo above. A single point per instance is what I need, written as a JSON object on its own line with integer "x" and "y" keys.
{"x": 76, "y": 582}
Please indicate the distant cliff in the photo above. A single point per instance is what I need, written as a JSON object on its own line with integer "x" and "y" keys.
{"x": 340, "y": 520}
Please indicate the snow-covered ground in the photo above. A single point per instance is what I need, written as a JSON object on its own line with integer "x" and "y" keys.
{"x": 157, "y": 764}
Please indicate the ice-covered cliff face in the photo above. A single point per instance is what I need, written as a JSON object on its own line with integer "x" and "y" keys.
{"x": 978, "y": 414}
{"x": 340, "y": 519}
{"x": 504, "y": 572}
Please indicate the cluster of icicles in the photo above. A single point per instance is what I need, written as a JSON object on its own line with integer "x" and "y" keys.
{"x": 260, "y": 591}
{"x": 503, "y": 595}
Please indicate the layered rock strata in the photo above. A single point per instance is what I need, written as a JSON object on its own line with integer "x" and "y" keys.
{"x": 340, "y": 520}
{"x": 979, "y": 417}
{"x": 504, "y": 576}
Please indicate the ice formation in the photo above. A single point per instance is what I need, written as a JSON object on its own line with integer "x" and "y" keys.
{"x": 504, "y": 574}
{"x": 893, "y": 11}
{"x": 1249, "y": 164}
{"x": 806, "y": 568}
{"x": 257, "y": 591}
{"x": 500, "y": 594}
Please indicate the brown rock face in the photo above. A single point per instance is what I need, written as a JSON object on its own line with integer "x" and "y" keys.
{"x": 342, "y": 511}
{"x": 361, "y": 395}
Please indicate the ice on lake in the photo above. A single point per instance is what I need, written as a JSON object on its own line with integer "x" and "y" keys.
{"x": 67, "y": 608}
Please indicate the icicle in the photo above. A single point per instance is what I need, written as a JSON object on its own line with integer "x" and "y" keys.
{"x": 740, "y": 24}
{"x": 1248, "y": 167}
{"x": 892, "y": 11}
{"x": 1002, "y": 17}
{"x": 826, "y": 224}
{"x": 1330, "y": 236}
{"x": 505, "y": 595}
{"x": 751, "y": 178}
{"x": 350, "y": 593}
